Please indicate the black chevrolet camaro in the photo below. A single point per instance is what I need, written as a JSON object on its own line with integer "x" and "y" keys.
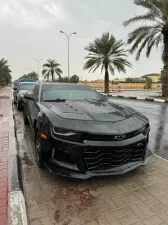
{"x": 79, "y": 133}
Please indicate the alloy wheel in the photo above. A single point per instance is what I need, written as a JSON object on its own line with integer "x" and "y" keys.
{"x": 39, "y": 156}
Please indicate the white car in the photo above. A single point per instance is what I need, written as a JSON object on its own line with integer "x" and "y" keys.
{"x": 20, "y": 91}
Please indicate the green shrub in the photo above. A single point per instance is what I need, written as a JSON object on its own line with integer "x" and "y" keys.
{"x": 149, "y": 83}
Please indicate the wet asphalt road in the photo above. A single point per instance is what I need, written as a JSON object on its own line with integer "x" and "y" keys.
{"x": 158, "y": 117}
{"x": 139, "y": 93}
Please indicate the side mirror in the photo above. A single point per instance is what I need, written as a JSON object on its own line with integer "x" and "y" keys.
{"x": 29, "y": 97}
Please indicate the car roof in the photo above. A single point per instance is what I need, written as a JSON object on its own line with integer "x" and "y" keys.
{"x": 64, "y": 84}
{"x": 26, "y": 80}
{"x": 28, "y": 83}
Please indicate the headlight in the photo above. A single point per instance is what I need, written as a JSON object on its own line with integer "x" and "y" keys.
{"x": 145, "y": 130}
{"x": 66, "y": 134}
{"x": 63, "y": 132}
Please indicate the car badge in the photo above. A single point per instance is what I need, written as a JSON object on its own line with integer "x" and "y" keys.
{"x": 119, "y": 138}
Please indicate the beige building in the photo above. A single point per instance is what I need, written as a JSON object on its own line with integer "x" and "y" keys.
{"x": 154, "y": 76}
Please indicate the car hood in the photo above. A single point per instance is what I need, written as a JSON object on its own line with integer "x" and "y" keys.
{"x": 90, "y": 110}
{"x": 94, "y": 116}
{"x": 23, "y": 92}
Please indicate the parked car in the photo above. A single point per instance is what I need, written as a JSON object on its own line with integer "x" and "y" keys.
{"x": 79, "y": 133}
{"x": 16, "y": 85}
{"x": 19, "y": 92}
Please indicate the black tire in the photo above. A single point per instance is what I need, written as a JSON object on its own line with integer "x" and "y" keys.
{"x": 17, "y": 105}
{"x": 26, "y": 122}
{"x": 38, "y": 150}
{"x": 14, "y": 101}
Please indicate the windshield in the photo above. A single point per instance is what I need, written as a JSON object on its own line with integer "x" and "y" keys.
{"x": 68, "y": 92}
{"x": 27, "y": 86}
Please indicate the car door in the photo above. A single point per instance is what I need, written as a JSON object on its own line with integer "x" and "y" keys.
{"x": 16, "y": 91}
{"x": 34, "y": 106}
{"x": 29, "y": 106}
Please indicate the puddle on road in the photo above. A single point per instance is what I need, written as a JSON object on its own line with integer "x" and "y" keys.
{"x": 4, "y": 97}
{"x": 26, "y": 159}
{"x": 1, "y": 117}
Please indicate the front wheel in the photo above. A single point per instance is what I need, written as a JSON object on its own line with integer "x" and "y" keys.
{"x": 38, "y": 150}
{"x": 26, "y": 122}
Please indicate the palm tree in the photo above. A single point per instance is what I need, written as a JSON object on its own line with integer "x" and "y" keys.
{"x": 51, "y": 68}
{"x": 5, "y": 76}
{"x": 108, "y": 53}
{"x": 152, "y": 33}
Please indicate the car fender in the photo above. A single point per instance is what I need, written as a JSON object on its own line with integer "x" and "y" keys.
{"x": 39, "y": 121}
{"x": 43, "y": 124}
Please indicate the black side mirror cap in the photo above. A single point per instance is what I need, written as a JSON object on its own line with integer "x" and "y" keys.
{"x": 29, "y": 97}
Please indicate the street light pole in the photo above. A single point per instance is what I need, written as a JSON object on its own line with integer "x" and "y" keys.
{"x": 38, "y": 66}
{"x": 68, "y": 37}
{"x": 68, "y": 62}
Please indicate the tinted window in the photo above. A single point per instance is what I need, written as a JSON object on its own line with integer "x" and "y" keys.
{"x": 26, "y": 86}
{"x": 68, "y": 92}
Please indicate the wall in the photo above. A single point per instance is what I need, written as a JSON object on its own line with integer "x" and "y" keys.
{"x": 122, "y": 85}
{"x": 155, "y": 78}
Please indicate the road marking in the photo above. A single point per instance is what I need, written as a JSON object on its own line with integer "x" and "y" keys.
{"x": 159, "y": 100}
{"x": 140, "y": 98}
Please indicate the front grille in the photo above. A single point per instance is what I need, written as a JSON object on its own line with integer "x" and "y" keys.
{"x": 97, "y": 137}
{"x": 106, "y": 158}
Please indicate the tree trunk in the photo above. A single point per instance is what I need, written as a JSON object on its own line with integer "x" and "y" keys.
{"x": 106, "y": 81}
{"x": 165, "y": 68}
{"x": 52, "y": 75}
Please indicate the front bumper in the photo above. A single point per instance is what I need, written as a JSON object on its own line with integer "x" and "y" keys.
{"x": 21, "y": 103}
{"x": 95, "y": 158}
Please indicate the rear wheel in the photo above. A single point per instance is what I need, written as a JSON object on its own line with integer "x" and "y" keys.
{"x": 14, "y": 101}
{"x": 38, "y": 150}
{"x": 17, "y": 105}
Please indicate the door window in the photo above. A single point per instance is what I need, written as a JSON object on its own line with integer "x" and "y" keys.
{"x": 35, "y": 92}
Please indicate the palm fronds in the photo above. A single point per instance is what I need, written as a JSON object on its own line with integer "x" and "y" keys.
{"x": 149, "y": 35}
{"x": 50, "y": 69}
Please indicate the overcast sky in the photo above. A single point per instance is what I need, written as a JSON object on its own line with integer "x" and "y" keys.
{"x": 31, "y": 29}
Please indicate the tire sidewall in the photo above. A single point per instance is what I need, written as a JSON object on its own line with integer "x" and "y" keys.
{"x": 17, "y": 105}
{"x": 26, "y": 122}
{"x": 14, "y": 100}
{"x": 39, "y": 154}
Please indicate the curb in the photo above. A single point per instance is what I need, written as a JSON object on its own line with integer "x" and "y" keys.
{"x": 120, "y": 90}
{"x": 161, "y": 158}
{"x": 16, "y": 209}
{"x": 137, "y": 98}
{"x": 16, "y": 202}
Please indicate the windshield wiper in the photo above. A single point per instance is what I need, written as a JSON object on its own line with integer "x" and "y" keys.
{"x": 56, "y": 100}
